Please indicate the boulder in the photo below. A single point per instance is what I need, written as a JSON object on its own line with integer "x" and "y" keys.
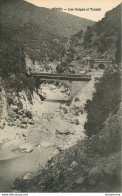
{"x": 74, "y": 164}
{"x": 55, "y": 152}
{"x": 30, "y": 121}
{"x": 11, "y": 124}
{"x": 16, "y": 191}
{"x": 96, "y": 173}
{"x": 111, "y": 168}
{"x": 40, "y": 183}
{"x": 63, "y": 132}
{"x": 76, "y": 99}
{"x": 26, "y": 148}
{"x": 76, "y": 121}
{"x": 92, "y": 182}
{"x": 71, "y": 121}
{"x": 2, "y": 124}
{"x": 14, "y": 108}
{"x": 28, "y": 176}
{"x": 79, "y": 180}
{"x": 49, "y": 158}
{"x": 23, "y": 126}
{"x": 52, "y": 164}
{"x": 45, "y": 144}
{"x": 24, "y": 122}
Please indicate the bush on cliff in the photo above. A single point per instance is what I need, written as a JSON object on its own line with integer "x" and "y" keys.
{"x": 106, "y": 101}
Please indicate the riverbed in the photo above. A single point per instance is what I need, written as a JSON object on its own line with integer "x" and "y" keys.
{"x": 54, "y": 128}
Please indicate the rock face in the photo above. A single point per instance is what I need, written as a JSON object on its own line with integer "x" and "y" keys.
{"x": 95, "y": 172}
{"x": 26, "y": 148}
{"x": 111, "y": 168}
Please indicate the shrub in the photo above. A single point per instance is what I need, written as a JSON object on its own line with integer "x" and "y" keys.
{"x": 106, "y": 100}
{"x": 108, "y": 140}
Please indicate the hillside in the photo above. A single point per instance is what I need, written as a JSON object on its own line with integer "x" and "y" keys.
{"x": 101, "y": 40}
{"x": 105, "y": 34}
{"x": 56, "y": 22}
{"x": 41, "y": 33}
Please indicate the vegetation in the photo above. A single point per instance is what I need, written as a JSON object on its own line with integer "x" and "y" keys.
{"x": 65, "y": 60}
{"x": 101, "y": 40}
{"x": 105, "y": 34}
{"x": 106, "y": 101}
{"x": 40, "y": 33}
{"x": 76, "y": 39}
{"x": 18, "y": 82}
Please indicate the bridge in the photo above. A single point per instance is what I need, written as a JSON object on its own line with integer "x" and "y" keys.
{"x": 75, "y": 82}
{"x": 54, "y": 76}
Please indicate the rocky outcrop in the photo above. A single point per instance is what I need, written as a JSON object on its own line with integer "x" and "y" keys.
{"x": 28, "y": 176}
{"x": 63, "y": 132}
{"x": 45, "y": 144}
{"x": 106, "y": 171}
{"x": 74, "y": 164}
{"x": 26, "y": 148}
{"x": 79, "y": 181}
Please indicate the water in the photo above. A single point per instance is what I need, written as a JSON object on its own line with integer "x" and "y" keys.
{"x": 18, "y": 167}
{"x": 29, "y": 162}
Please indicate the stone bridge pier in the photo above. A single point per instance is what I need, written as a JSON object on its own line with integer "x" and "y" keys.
{"x": 75, "y": 87}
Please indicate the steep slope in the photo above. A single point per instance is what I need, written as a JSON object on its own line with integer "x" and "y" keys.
{"x": 56, "y": 22}
{"x": 39, "y": 32}
{"x": 102, "y": 40}
{"x": 105, "y": 34}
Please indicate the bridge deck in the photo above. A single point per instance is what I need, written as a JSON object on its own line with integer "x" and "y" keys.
{"x": 74, "y": 77}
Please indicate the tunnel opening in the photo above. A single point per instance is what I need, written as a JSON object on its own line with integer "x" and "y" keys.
{"x": 101, "y": 66}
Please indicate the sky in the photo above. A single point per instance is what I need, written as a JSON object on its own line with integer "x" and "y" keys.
{"x": 101, "y": 5}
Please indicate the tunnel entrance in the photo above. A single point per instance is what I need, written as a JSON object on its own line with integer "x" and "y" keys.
{"x": 101, "y": 66}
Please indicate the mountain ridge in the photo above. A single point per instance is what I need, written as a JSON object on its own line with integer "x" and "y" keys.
{"x": 32, "y": 12}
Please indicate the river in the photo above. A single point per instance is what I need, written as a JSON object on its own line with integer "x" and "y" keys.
{"x": 43, "y": 131}
{"x": 19, "y": 166}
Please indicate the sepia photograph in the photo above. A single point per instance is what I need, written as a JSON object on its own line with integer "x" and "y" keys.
{"x": 60, "y": 96}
